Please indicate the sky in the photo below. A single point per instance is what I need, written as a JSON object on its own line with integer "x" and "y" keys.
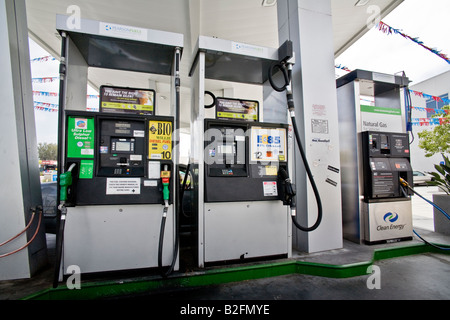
{"x": 375, "y": 51}
{"x": 379, "y": 52}
{"x": 46, "y": 121}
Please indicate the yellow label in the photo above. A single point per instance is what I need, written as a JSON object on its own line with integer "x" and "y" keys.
{"x": 165, "y": 174}
{"x": 127, "y": 106}
{"x": 160, "y": 140}
{"x": 271, "y": 171}
{"x": 236, "y": 115}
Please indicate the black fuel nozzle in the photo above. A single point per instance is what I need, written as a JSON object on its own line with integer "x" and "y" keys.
{"x": 286, "y": 188}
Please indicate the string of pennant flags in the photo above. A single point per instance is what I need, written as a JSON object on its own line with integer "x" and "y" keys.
{"x": 51, "y": 107}
{"x": 43, "y": 59}
{"x": 383, "y": 27}
{"x": 55, "y": 94}
{"x": 429, "y": 121}
{"x": 44, "y": 80}
{"x": 44, "y": 106}
{"x": 342, "y": 68}
{"x": 45, "y": 94}
{"x": 429, "y": 97}
{"x": 432, "y": 110}
{"x": 387, "y": 29}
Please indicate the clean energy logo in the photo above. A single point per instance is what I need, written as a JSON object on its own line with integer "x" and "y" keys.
{"x": 390, "y": 217}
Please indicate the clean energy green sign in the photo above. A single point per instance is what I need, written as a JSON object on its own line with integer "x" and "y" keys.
{"x": 80, "y": 137}
{"x": 372, "y": 109}
{"x": 381, "y": 119}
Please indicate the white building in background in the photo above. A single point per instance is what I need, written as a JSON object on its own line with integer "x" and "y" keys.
{"x": 431, "y": 89}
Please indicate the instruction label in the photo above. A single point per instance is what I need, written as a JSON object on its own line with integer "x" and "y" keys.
{"x": 160, "y": 140}
{"x": 123, "y": 186}
{"x": 80, "y": 137}
{"x": 86, "y": 169}
{"x": 270, "y": 189}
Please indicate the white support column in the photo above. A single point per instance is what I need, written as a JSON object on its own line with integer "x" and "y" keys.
{"x": 308, "y": 24}
{"x": 20, "y": 188}
{"x": 197, "y": 150}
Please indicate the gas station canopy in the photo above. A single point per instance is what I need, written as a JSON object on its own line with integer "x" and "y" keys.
{"x": 242, "y": 21}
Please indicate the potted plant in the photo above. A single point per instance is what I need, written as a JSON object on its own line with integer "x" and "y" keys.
{"x": 441, "y": 179}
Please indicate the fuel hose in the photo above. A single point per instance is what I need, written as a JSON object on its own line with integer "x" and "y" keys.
{"x": 404, "y": 183}
{"x": 286, "y": 70}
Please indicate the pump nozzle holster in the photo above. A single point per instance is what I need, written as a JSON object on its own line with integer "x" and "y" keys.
{"x": 286, "y": 189}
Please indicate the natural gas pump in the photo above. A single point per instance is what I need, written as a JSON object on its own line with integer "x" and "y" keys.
{"x": 386, "y": 205}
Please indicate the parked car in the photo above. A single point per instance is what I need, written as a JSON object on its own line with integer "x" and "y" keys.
{"x": 421, "y": 178}
{"x": 49, "y": 190}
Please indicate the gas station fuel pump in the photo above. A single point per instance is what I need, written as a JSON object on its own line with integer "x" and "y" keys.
{"x": 118, "y": 165}
{"x": 117, "y": 161}
{"x": 242, "y": 191}
{"x": 244, "y": 197}
{"x": 386, "y": 205}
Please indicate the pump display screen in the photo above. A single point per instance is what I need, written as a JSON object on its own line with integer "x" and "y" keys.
{"x": 122, "y": 145}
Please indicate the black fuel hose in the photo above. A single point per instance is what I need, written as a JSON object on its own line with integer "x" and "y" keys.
{"x": 213, "y": 97}
{"x": 163, "y": 226}
{"x": 177, "y": 195}
{"x": 287, "y": 75}
{"x": 313, "y": 184}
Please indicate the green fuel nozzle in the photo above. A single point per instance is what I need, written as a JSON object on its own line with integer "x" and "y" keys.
{"x": 166, "y": 192}
{"x": 65, "y": 181}
{"x": 165, "y": 176}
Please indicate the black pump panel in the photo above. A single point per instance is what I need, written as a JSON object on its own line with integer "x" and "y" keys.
{"x": 386, "y": 159}
{"x": 236, "y": 163}
{"x": 118, "y": 158}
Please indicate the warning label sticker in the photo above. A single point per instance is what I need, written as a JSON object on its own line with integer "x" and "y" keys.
{"x": 123, "y": 186}
{"x": 270, "y": 189}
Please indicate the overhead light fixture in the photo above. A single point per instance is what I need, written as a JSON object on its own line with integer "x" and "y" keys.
{"x": 268, "y": 3}
{"x": 361, "y": 3}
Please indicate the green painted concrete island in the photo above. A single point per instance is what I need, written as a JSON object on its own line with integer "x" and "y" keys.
{"x": 118, "y": 288}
